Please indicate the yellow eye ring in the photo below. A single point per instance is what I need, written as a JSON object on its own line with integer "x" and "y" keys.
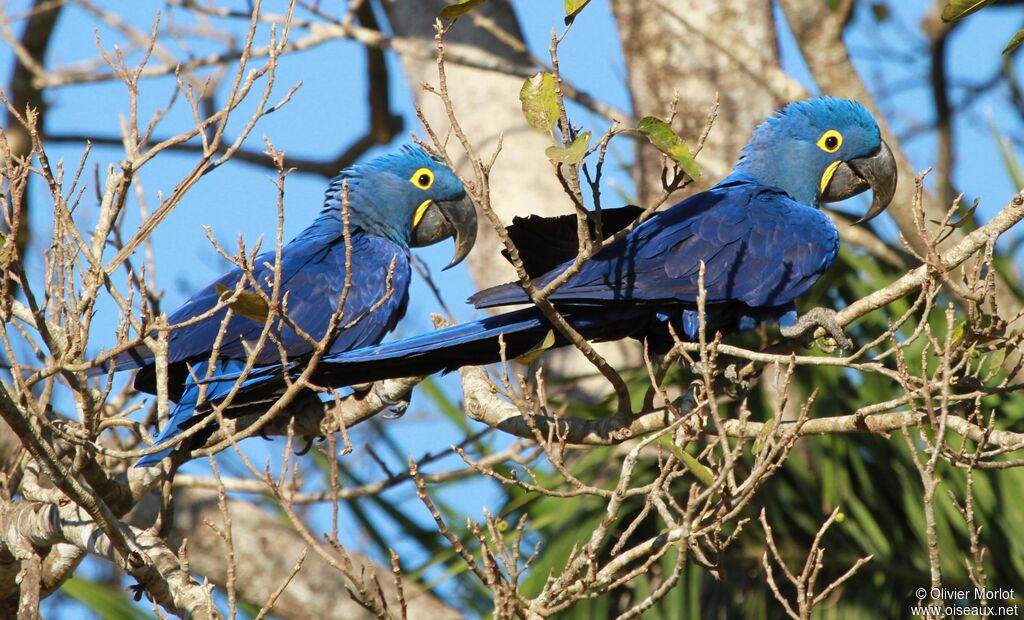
{"x": 830, "y": 141}
{"x": 422, "y": 178}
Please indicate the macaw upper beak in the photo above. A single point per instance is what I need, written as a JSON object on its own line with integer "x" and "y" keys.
{"x": 877, "y": 172}
{"x": 443, "y": 219}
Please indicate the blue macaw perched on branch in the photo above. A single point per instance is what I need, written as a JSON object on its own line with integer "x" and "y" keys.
{"x": 759, "y": 233}
{"x": 394, "y": 202}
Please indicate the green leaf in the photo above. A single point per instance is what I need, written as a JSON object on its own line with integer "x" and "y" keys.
{"x": 765, "y": 431}
{"x": 958, "y": 332}
{"x": 248, "y": 304}
{"x": 666, "y": 141}
{"x": 965, "y": 219}
{"x": 1014, "y": 42}
{"x": 573, "y": 8}
{"x": 549, "y": 341}
{"x": 695, "y": 467}
{"x": 540, "y": 104}
{"x": 959, "y": 9}
{"x": 572, "y": 154}
{"x": 458, "y": 10}
{"x": 6, "y": 250}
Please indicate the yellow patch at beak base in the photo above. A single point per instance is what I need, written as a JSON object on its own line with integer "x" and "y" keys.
{"x": 418, "y": 215}
{"x": 827, "y": 175}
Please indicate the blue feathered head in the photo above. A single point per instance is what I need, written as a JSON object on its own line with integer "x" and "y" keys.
{"x": 408, "y": 197}
{"x": 821, "y": 150}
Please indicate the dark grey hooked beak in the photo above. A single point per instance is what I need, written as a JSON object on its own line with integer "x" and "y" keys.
{"x": 447, "y": 218}
{"x": 877, "y": 172}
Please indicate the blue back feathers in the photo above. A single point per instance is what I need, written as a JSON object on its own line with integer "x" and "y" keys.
{"x": 783, "y": 151}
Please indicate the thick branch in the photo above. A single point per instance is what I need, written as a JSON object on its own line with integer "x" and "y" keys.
{"x": 26, "y": 524}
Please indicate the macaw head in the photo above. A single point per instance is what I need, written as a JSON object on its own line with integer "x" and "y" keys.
{"x": 408, "y": 197}
{"x": 822, "y": 150}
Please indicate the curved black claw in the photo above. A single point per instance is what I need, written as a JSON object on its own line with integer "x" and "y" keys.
{"x": 305, "y": 449}
{"x": 396, "y": 410}
{"x": 814, "y": 318}
{"x": 138, "y": 591}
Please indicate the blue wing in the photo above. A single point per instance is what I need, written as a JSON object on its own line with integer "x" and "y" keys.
{"x": 759, "y": 247}
{"x": 313, "y": 268}
{"x": 313, "y": 284}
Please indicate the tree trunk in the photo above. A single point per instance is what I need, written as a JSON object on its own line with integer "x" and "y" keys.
{"x": 684, "y": 50}
{"x": 487, "y": 106}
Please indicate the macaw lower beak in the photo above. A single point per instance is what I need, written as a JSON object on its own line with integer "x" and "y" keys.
{"x": 446, "y": 218}
{"x": 877, "y": 172}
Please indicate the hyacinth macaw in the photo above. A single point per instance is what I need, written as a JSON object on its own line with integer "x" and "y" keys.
{"x": 759, "y": 232}
{"x": 396, "y": 201}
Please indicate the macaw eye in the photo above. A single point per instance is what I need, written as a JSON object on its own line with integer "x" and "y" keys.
{"x": 830, "y": 141}
{"x": 422, "y": 178}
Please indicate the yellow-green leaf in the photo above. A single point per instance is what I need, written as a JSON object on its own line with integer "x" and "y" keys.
{"x": 248, "y": 304}
{"x": 958, "y": 332}
{"x": 1014, "y": 42}
{"x": 572, "y": 9}
{"x": 540, "y": 105}
{"x": 666, "y": 141}
{"x": 959, "y": 9}
{"x": 572, "y": 154}
{"x": 460, "y": 9}
{"x": 695, "y": 467}
{"x": 6, "y": 250}
{"x": 528, "y": 358}
{"x": 759, "y": 440}
{"x": 965, "y": 219}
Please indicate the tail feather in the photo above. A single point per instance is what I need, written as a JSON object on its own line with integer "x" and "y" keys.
{"x": 183, "y": 416}
{"x": 470, "y": 344}
{"x": 175, "y": 426}
{"x": 480, "y": 342}
{"x": 506, "y": 336}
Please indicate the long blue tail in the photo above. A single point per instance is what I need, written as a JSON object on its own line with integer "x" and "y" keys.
{"x": 487, "y": 341}
{"x": 442, "y": 350}
{"x": 183, "y": 415}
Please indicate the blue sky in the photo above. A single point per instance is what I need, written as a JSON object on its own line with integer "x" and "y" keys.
{"x": 328, "y": 112}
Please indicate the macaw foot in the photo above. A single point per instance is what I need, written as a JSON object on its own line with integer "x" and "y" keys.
{"x": 814, "y": 318}
{"x": 396, "y": 409}
{"x": 736, "y": 380}
{"x": 738, "y": 385}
